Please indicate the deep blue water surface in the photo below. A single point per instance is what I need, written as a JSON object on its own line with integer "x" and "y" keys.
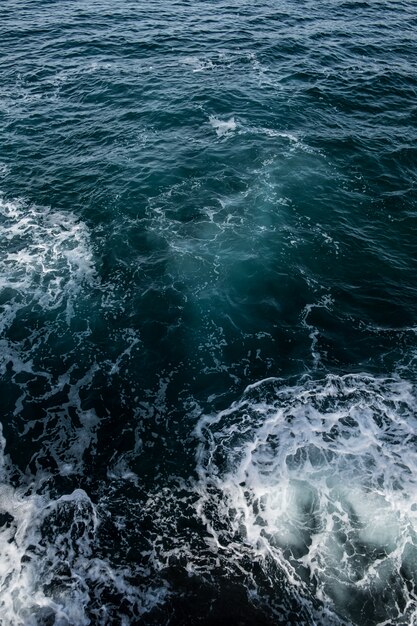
{"x": 208, "y": 312}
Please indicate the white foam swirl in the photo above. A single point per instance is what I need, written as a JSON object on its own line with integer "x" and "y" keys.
{"x": 320, "y": 478}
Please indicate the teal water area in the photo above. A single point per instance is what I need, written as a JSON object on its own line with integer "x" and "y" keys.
{"x": 208, "y": 307}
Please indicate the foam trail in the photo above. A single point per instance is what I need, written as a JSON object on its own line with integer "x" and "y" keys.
{"x": 325, "y": 302}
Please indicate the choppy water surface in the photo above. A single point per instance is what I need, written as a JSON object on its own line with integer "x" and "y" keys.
{"x": 208, "y": 309}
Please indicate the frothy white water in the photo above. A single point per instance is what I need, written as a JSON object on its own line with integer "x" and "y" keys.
{"x": 46, "y": 265}
{"x": 222, "y": 127}
{"x": 50, "y": 571}
{"x": 46, "y": 260}
{"x": 321, "y": 480}
{"x": 53, "y": 569}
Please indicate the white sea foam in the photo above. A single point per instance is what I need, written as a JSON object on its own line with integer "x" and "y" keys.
{"x": 270, "y": 132}
{"x": 319, "y": 478}
{"x": 46, "y": 266}
{"x": 49, "y": 570}
{"x": 47, "y": 259}
{"x": 46, "y": 273}
{"x": 222, "y": 127}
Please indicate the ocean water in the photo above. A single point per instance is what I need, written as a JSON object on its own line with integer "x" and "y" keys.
{"x": 208, "y": 312}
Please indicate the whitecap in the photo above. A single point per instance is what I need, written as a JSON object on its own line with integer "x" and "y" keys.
{"x": 222, "y": 127}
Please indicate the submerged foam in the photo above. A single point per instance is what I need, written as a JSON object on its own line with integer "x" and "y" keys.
{"x": 320, "y": 478}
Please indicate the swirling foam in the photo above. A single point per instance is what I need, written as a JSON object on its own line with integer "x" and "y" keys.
{"x": 320, "y": 479}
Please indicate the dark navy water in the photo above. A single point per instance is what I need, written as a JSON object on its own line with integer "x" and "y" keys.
{"x": 208, "y": 312}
